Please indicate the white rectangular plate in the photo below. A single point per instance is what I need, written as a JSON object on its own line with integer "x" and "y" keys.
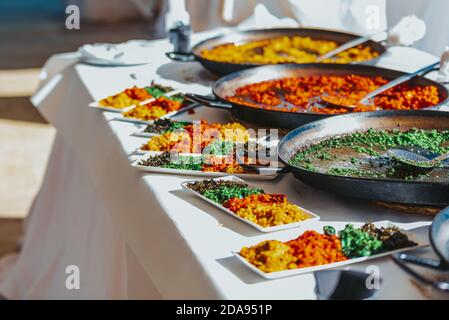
{"x": 299, "y": 271}
{"x": 96, "y": 104}
{"x": 142, "y": 133}
{"x": 312, "y": 216}
{"x": 120, "y": 117}
{"x": 146, "y": 154}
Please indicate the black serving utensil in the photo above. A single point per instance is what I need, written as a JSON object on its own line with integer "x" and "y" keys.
{"x": 439, "y": 239}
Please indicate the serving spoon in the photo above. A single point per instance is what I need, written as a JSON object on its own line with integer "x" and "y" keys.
{"x": 415, "y": 158}
{"x": 406, "y": 32}
{"x": 365, "y": 100}
{"x": 348, "y": 45}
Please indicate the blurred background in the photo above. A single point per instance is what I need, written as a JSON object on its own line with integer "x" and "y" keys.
{"x": 30, "y": 32}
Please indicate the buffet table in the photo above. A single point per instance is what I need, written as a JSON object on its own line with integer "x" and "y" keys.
{"x": 137, "y": 235}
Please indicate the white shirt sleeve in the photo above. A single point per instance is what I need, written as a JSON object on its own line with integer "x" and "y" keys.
{"x": 357, "y": 16}
{"x": 434, "y": 13}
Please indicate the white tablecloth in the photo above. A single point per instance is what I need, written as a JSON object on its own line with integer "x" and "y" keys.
{"x": 136, "y": 235}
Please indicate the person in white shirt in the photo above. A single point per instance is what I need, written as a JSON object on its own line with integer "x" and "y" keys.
{"x": 358, "y": 16}
{"x": 433, "y": 12}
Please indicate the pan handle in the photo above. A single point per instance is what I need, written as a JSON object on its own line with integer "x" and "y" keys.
{"x": 264, "y": 170}
{"x": 187, "y": 109}
{"x": 433, "y": 70}
{"x": 208, "y": 101}
{"x": 430, "y": 71}
{"x": 180, "y": 56}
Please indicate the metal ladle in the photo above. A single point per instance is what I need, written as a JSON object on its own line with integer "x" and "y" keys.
{"x": 346, "y": 46}
{"x": 415, "y": 159}
{"x": 366, "y": 99}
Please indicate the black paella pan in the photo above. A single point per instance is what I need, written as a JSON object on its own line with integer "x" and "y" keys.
{"x": 260, "y": 117}
{"x": 223, "y": 68}
{"x": 387, "y": 190}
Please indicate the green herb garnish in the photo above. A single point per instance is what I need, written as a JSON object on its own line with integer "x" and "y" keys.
{"x": 358, "y": 243}
{"x": 219, "y": 147}
{"x": 223, "y": 194}
{"x": 329, "y": 230}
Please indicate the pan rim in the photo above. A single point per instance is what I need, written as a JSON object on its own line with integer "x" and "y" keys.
{"x": 365, "y": 179}
{"x": 197, "y": 47}
{"x": 443, "y": 259}
{"x": 332, "y": 66}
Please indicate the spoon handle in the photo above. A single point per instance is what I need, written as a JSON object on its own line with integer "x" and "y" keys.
{"x": 397, "y": 81}
{"x": 442, "y": 157}
{"x": 344, "y": 47}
